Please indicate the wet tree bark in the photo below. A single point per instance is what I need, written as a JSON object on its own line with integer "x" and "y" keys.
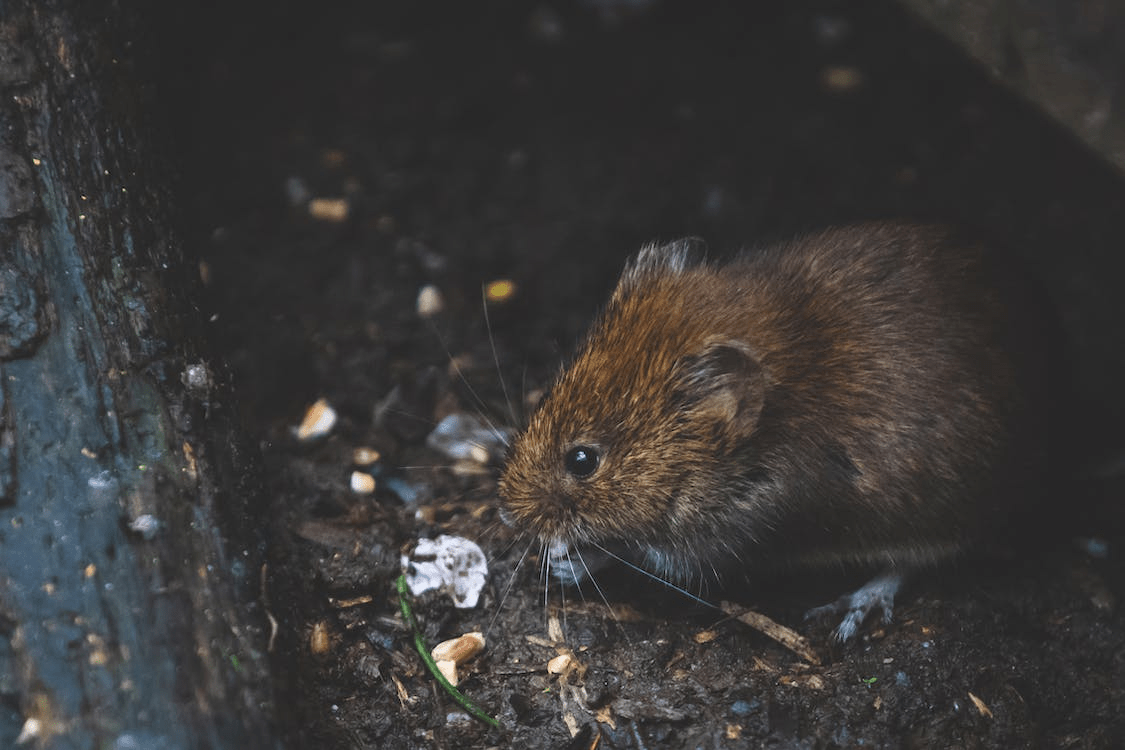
{"x": 129, "y": 569}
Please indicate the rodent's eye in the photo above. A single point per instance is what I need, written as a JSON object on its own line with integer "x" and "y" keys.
{"x": 582, "y": 461}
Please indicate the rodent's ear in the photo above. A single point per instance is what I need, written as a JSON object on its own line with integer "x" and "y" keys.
{"x": 723, "y": 382}
{"x": 653, "y": 259}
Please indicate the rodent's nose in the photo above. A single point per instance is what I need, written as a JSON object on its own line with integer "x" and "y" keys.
{"x": 562, "y": 503}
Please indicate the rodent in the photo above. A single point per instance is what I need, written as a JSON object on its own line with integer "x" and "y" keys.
{"x": 869, "y": 394}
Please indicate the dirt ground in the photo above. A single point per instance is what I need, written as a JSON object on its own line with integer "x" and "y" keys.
{"x": 461, "y": 143}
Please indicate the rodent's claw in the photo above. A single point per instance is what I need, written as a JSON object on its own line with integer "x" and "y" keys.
{"x": 878, "y": 593}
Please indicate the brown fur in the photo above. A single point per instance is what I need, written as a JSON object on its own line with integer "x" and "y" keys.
{"x": 860, "y": 394}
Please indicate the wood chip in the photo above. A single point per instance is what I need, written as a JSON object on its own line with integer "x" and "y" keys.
{"x": 787, "y": 637}
{"x": 353, "y": 602}
{"x": 320, "y": 639}
{"x": 403, "y": 695}
{"x": 554, "y": 629}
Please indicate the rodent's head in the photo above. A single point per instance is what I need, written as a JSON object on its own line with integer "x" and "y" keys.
{"x": 629, "y": 443}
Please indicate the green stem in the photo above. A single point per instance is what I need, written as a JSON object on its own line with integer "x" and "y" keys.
{"x": 420, "y": 644}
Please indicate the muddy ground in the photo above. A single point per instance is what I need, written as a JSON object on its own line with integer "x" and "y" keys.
{"x": 542, "y": 143}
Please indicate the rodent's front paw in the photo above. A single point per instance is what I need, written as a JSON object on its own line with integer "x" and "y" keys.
{"x": 878, "y": 593}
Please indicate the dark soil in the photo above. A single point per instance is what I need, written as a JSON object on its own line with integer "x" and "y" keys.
{"x": 544, "y": 143}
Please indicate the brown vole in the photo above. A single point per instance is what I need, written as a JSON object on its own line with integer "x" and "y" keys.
{"x": 865, "y": 394}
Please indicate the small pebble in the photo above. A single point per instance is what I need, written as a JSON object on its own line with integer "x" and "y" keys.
{"x": 430, "y": 301}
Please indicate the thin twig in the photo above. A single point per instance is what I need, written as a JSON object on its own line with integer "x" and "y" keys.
{"x": 787, "y": 637}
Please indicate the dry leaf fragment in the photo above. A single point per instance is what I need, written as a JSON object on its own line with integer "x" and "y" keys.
{"x": 705, "y": 636}
{"x": 982, "y": 707}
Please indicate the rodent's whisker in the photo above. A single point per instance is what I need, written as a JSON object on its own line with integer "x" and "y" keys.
{"x": 608, "y": 606}
{"x": 496, "y": 358}
{"x": 479, "y": 404}
{"x": 511, "y": 582}
{"x": 544, "y": 572}
{"x": 493, "y": 529}
{"x": 410, "y": 415}
{"x": 657, "y": 578}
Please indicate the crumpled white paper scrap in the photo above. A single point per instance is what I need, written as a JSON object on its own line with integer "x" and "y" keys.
{"x": 452, "y": 564}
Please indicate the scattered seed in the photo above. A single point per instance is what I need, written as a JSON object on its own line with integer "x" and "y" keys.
{"x": 364, "y": 456}
{"x": 362, "y": 483}
{"x": 448, "y": 669}
{"x": 329, "y": 209}
{"x": 559, "y": 664}
{"x": 500, "y": 290}
{"x": 319, "y": 421}
{"x": 459, "y": 650}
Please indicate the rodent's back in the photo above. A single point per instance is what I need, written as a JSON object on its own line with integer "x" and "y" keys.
{"x": 852, "y": 394}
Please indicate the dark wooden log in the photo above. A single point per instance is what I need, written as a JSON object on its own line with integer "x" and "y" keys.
{"x": 129, "y": 565}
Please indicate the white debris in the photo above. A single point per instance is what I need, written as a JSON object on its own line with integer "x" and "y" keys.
{"x": 196, "y": 377}
{"x": 465, "y": 437}
{"x": 146, "y": 525}
{"x": 32, "y": 728}
{"x": 450, "y": 563}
